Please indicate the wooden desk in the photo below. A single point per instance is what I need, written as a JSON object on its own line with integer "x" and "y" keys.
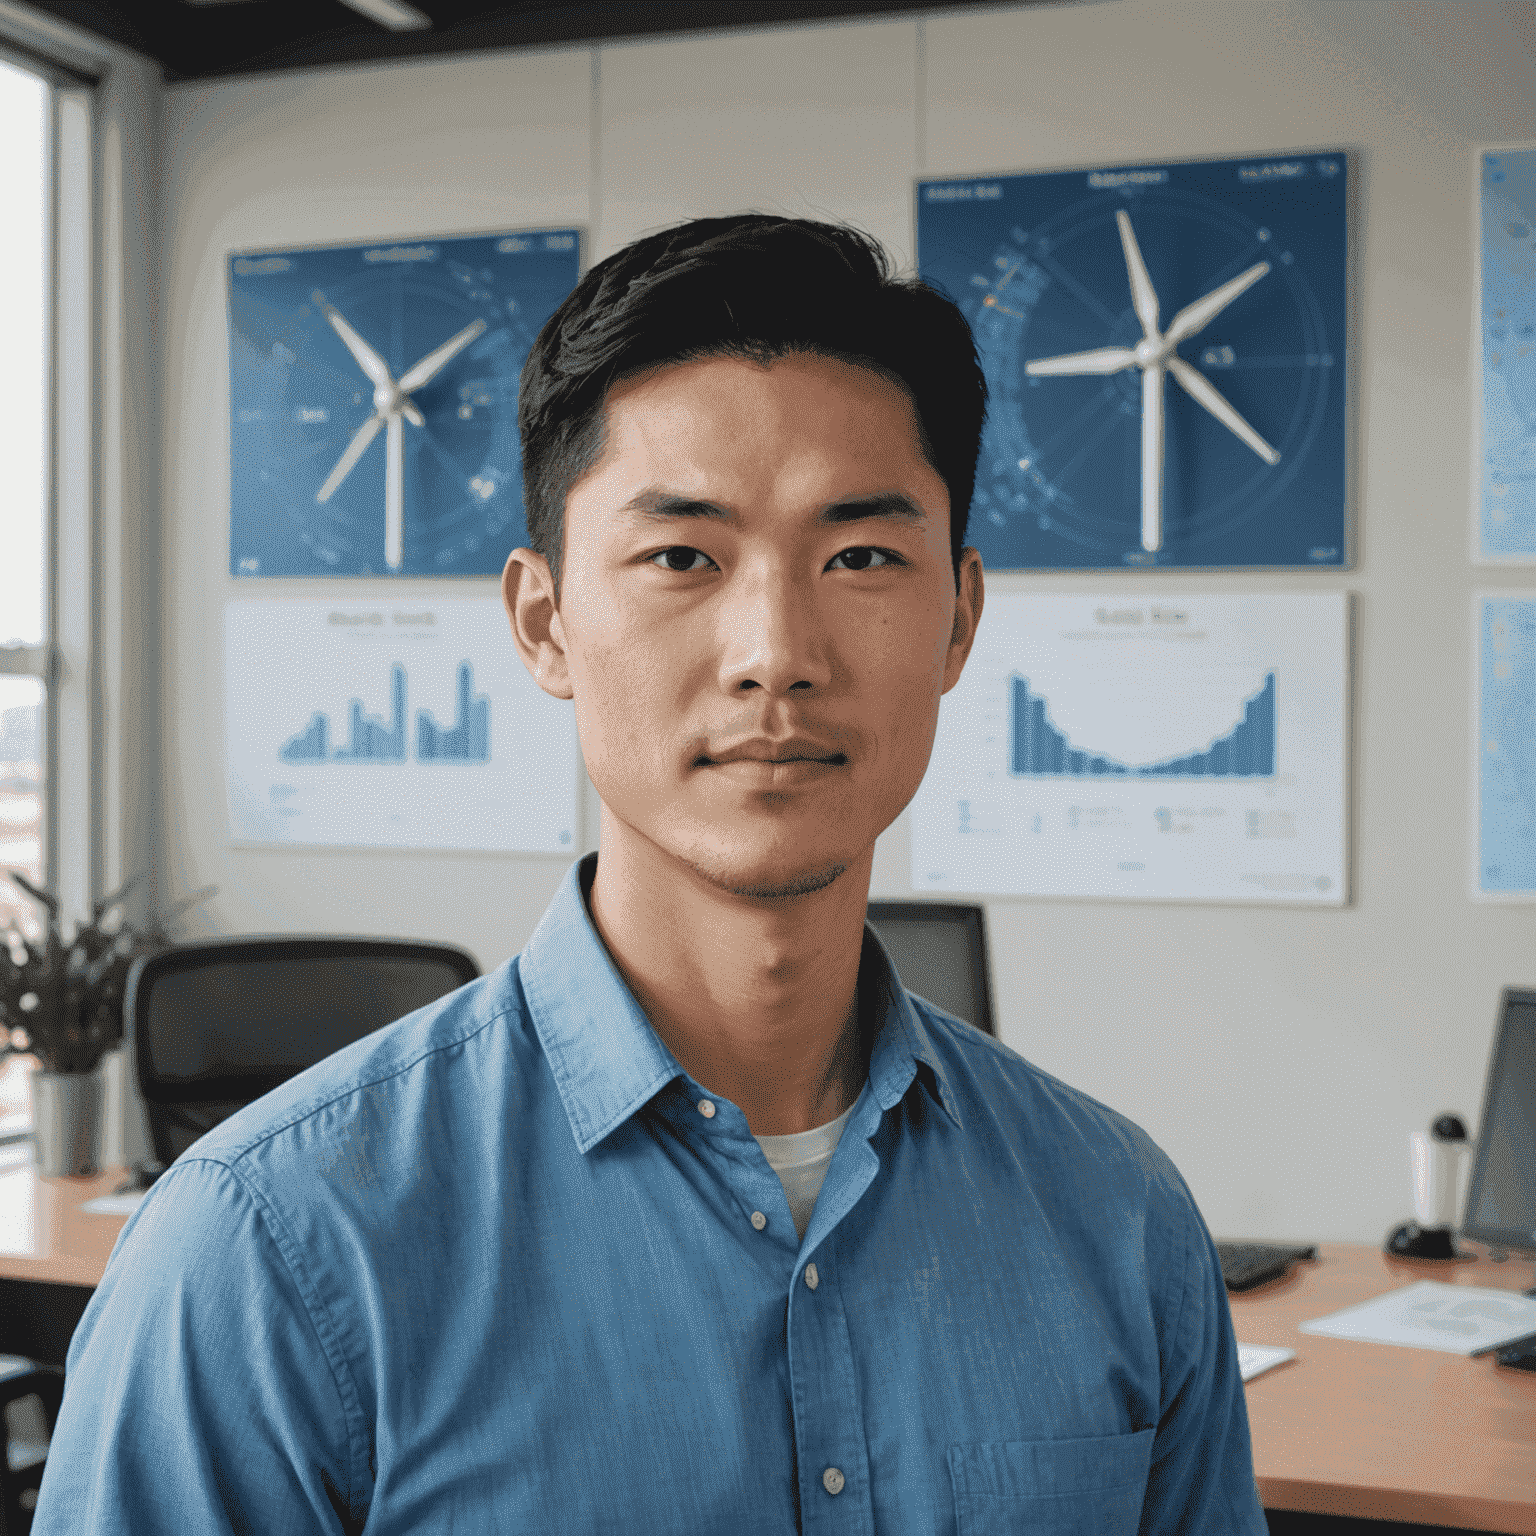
{"x": 44, "y": 1235}
{"x": 1382, "y": 1432}
{"x": 52, "y": 1256}
{"x": 1368, "y": 1430}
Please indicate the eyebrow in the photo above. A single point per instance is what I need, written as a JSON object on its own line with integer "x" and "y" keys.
{"x": 658, "y": 506}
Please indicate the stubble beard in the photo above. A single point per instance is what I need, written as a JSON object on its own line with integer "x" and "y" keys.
{"x": 806, "y": 883}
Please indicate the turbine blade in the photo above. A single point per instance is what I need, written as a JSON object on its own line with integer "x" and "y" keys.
{"x": 1143, "y": 294}
{"x": 428, "y": 368}
{"x": 1195, "y": 317}
{"x": 364, "y": 435}
{"x": 1100, "y": 360}
{"x": 1201, "y": 389}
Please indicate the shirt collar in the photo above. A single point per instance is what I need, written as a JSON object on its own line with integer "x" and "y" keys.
{"x": 608, "y": 1061}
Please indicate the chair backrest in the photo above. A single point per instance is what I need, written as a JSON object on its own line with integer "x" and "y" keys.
{"x": 939, "y": 949}
{"x": 217, "y": 1023}
{"x": 30, "y": 1397}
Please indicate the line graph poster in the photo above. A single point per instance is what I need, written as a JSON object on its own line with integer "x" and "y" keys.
{"x": 1110, "y": 745}
{"x": 393, "y": 725}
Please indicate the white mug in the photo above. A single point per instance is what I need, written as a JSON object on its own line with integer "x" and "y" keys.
{"x": 1437, "y": 1170}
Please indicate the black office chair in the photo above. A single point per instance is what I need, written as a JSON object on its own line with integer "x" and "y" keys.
{"x": 217, "y": 1023}
{"x": 30, "y": 1395}
{"x": 939, "y": 949}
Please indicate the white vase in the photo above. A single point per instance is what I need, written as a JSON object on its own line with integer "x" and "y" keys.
{"x": 66, "y": 1122}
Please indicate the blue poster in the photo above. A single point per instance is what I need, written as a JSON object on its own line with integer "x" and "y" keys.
{"x": 1164, "y": 348}
{"x": 373, "y": 402}
{"x": 1506, "y": 746}
{"x": 1507, "y": 500}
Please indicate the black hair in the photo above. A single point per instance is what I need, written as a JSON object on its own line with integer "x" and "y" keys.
{"x": 755, "y": 286}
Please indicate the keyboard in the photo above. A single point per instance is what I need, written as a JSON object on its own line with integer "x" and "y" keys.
{"x": 1245, "y": 1265}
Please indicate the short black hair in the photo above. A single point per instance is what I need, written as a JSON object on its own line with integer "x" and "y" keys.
{"x": 755, "y": 286}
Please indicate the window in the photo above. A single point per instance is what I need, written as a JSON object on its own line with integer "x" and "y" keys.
{"x": 27, "y": 112}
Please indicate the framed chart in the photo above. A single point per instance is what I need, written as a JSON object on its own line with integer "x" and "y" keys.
{"x": 1504, "y": 365}
{"x": 1504, "y": 746}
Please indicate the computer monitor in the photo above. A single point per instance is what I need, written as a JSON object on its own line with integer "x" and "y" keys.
{"x": 1501, "y": 1196}
{"x": 939, "y": 950}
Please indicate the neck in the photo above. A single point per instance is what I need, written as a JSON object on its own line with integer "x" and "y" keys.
{"x": 757, "y": 998}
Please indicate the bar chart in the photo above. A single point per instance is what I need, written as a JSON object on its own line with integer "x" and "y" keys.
{"x": 1041, "y": 750}
{"x": 371, "y": 740}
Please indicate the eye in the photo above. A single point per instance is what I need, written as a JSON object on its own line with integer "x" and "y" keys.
{"x": 683, "y": 554}
{"x": 863, "y": 558}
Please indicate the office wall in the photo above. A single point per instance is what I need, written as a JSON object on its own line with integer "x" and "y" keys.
{"x": 1281, "y": 1057}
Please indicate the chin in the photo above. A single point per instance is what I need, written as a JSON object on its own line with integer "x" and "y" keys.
{"x": 765, "y": 878}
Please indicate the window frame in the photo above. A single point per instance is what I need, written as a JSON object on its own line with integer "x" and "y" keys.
{"x": 67, "y": 354}
{"x": 98, "y": 659}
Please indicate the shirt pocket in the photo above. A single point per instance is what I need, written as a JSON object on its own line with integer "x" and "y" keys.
{"x": 1051, "y": 1487}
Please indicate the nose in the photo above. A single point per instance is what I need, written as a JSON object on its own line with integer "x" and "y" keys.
{"x": 775, "y": 636}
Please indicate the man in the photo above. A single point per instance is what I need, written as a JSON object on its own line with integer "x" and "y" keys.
{"x": 689, "y": 1218}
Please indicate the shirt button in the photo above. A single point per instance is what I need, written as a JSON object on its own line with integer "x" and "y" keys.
{"x": 759, "y": 1220}
{"x": 812, "y": 1279}
{"x": 706, "y": 1109}
{"x": 832, "y": 1480}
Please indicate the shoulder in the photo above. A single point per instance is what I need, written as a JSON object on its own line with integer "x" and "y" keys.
{"x": 1065, "y": 1137}
{"x": 381, "y": 1076}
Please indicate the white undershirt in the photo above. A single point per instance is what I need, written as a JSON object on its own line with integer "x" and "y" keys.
{"x": 801, "y": 1163}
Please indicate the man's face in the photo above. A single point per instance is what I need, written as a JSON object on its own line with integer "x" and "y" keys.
{"x": 725, "y": 609}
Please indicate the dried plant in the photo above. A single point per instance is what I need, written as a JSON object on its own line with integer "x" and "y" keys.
{"x": 63, "y": 1002}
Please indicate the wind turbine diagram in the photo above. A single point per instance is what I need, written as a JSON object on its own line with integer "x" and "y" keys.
{"x": 1155, "y": 355}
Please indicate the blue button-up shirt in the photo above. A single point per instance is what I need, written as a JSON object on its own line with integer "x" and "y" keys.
{"x": 492, "y": 1269}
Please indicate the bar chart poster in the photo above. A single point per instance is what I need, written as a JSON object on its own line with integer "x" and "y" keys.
{"x": 1505, "y": 745}
{"x": 1116, "y": 746}
{"x": 393, "y": 725}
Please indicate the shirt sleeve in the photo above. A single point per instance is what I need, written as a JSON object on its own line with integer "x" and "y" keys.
{"x": 199, "y": 1394}
{"x": 1201, "y": 1481}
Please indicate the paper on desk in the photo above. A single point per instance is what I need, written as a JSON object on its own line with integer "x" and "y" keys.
{"x": 114, "y": 1205}
{"x": 1254, "y": 1359}
{"x": 1455, "y": 1319}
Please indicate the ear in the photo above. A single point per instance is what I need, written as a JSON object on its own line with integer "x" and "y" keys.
{"x": 528, "y": 593}
{"x": 968, "y": 604}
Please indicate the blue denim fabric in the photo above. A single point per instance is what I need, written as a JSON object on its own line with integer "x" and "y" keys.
{"x": 490, "y": 1270}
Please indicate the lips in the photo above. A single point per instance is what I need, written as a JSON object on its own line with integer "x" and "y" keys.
{"x": 794, "y": 750}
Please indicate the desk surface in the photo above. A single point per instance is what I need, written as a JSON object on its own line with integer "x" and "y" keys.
{"x": 1370, "y": 1430}
{"x": 44, "y": 1235}
{"x": 1379, "y": 1431}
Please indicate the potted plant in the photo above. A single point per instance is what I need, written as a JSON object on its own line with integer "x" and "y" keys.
{"x": 63, "y": 1003}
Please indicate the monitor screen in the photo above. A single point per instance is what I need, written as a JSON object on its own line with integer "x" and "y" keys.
{"x": 939, "y": 950}
{"x": 1501, "y": 1195}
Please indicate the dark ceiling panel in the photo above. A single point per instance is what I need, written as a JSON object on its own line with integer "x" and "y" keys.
{"x": 192, "y": 42}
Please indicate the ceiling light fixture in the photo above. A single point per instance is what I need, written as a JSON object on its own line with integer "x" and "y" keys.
{"x": 394, "y": 14}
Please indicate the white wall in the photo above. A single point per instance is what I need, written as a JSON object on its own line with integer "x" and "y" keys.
{"x": 1279, "y": 1056}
